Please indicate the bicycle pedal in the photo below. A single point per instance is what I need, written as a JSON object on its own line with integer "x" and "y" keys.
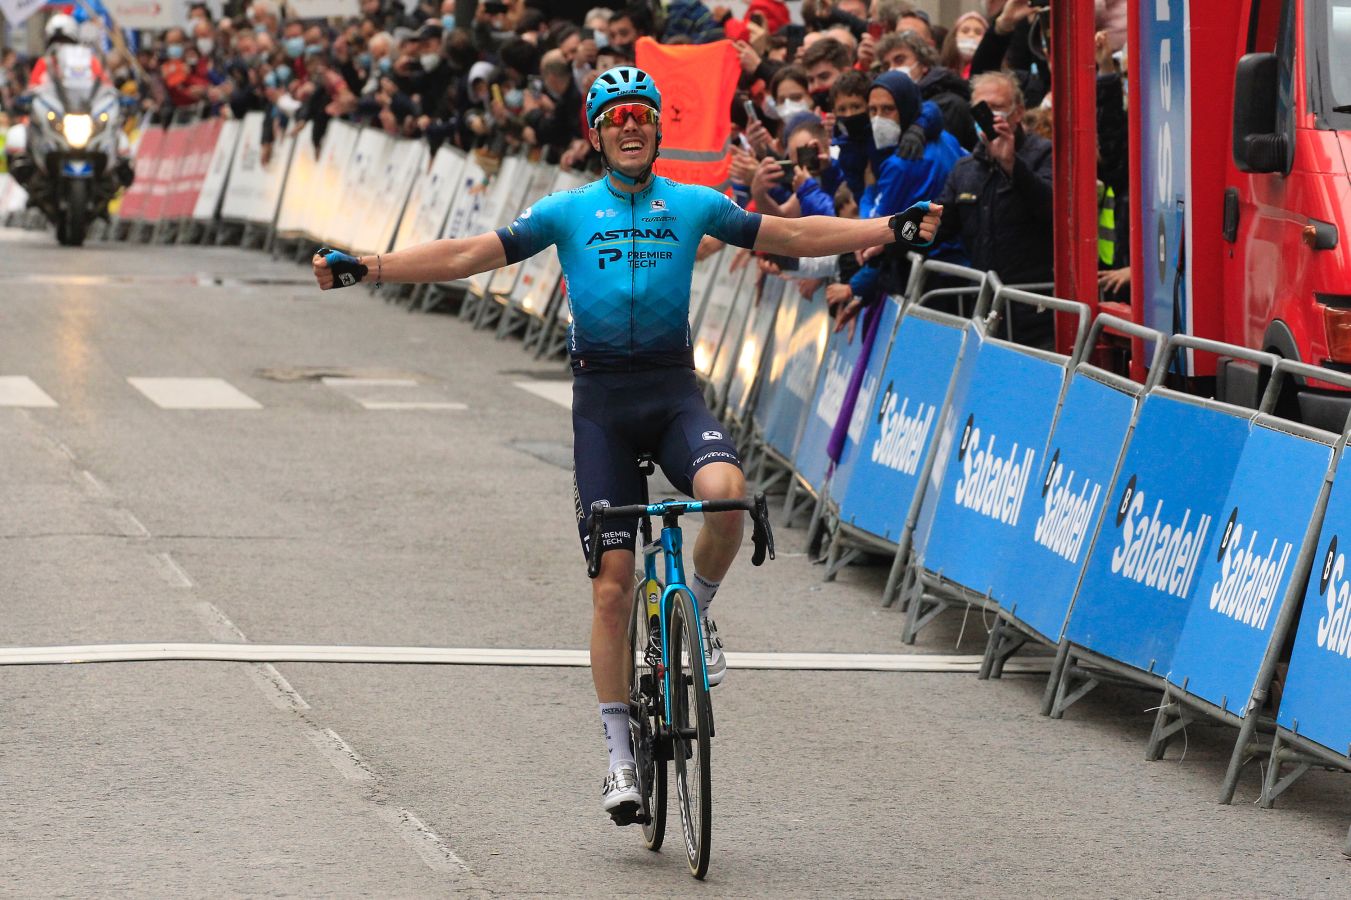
{"x": 628, "y": 814}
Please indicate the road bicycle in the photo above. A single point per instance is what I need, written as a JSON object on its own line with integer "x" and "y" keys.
{"x": 671, "y": 719}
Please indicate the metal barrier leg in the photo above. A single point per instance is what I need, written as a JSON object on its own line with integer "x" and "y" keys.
{"x": 1062, "y": 653}
{"x": 895, "y": 579}
{"x": 1064, "y": 696}
{"x": 1170, "y": 719}
{"x": 1244, "y": 753}
{"x": 1274, "y": 785}
{"x": 1346, "y": 851}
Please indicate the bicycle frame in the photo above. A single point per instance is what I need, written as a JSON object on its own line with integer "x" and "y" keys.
{"x": 671, "y": 546}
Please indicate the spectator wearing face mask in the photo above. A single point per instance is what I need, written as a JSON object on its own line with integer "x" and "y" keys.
{"x": 908, "y": 52}
{"x": 997, "y": 201}
{"x": 788, "y": 95}
{"x": 961, "y": 43}
{"x": 1008, "y": 45}
{"x": 824, "y": 61}
{"x": 629, "y": 24}
{"x": 553, "y": 115}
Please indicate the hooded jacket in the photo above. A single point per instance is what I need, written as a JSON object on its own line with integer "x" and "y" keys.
{"x": 952, "y": 93}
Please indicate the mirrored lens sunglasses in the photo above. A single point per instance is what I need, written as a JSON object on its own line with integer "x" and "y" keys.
{"x": 620, "y": 113}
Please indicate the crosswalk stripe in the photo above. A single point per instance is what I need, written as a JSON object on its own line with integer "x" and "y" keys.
{"x": 193, "y": 393}
{"x": 20, "y": 390}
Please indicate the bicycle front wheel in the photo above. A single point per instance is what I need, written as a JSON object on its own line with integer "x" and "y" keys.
{"x": 645, "y": 706}
{"x": 691, "y": 728}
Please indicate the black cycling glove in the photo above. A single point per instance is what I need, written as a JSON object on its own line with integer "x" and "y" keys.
{"x": 347, "y": 269}
{"x": 913, "y": 140}
{"x": 905, "y": 225}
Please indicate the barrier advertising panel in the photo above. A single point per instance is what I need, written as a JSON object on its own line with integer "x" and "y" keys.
{"x": 347, "y": 225}
{"x": 213, "y": 185}
{"x": 701, "y": 279}
{"x": 802, "y": 360}
{"x": 541, "y": 272}
{"x": 199, "y": 145}
{"x": 539, "y": 179}
{"x": 471, "y": 195}
{"x": 717, "y": 311}
{"x": 1242, "y": 586}
{"x": 1316, "y": 703}
{"x": 1002, "y": 430}
{"x": 255, "y": 187}
{"x": 135, "y": 203}
{"x": 294, "y": 217}
{"x": 753, "y": 347}
{"x": 1039, "y": 576}
{"x": 863, "y": 408}
{"x": 1142, "y": 574}
{"x": 841, "y": 356}
{"x": 902, "y": 422}
{"x": 402, "y": 164}
{"x": 172, "y": 153}
{"x": 431, "y": 199}
{"x": 327, "y": 189}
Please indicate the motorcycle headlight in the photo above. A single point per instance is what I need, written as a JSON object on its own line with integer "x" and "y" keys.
{"x": 78, "y": 129}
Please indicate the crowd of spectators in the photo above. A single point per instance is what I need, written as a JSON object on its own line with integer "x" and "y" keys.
{"x": 861, "y": 109}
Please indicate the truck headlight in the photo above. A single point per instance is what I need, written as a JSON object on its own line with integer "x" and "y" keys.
{"x": 78, "y": 129}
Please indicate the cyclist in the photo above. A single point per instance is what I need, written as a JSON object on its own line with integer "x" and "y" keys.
{"x": 627, "y": 246}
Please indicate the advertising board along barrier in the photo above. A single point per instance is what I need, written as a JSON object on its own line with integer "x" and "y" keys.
{"x": 539, "y": 180}
{"x": 879, "y": 504}
{"x": 782, "y": 410}
{"x": 1312, "y": 725}
{"x": 717, "y": 312}
{"x": 733, "y": 336}
{"x": 1073, "y": 483}
{"x": 755, "y": 349}
{"x": 503, "y": 203}
{"x": 135, "y": 202}
{"x": 470, "y": 196}
{"x": 255, "y": 188}
{"x": 1166, "y": 516}
{"x": 214, "y": 184}
{"x": 702, "y": 278}
{"x": 538, "y": 283}
{"x": 998, "y": 434}
{"x": 429, "y": 203}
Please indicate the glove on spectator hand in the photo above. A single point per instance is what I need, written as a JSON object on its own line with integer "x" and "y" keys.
{"x": 347, "y": 269}
{"x": 912, "y": 143}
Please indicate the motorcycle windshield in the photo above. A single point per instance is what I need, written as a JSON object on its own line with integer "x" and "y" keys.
{"x": 75, "y": 65}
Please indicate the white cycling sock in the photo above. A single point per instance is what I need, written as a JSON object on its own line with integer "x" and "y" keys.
{"x": 703, "y": 591}
{"x": 614, "y": 722}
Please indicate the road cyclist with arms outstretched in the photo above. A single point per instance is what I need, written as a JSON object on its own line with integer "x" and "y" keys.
{"x": 627, "y": 247}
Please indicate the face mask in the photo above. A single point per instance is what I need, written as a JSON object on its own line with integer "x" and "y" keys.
{"x": 770, "y": 109}
{"x": 294, "y": 46}
{"x": 205, "y": 46}
{"x": 822, "y": 99}
{"x": 386, "y": 64}
{"x": 174, "y": 51}
{"x": 886, "y": 133}
{"x": 314, "y": 49}
{"x": 430, "y": 61}
{"x": 602, "y": 38}
{"x": 790, "y": 108}
{"x": 514, "y": 98}
{"x": 283, "y": 74}
{"x": 448, "y": 22}
{"x": 364, "y": 61}
{"x": 260, "y": 29}
{"x": 270, "y": 80}
{"x": 907, "y": 71}
{"x": 967, "y": 46}
{"x": 856, "y": 127}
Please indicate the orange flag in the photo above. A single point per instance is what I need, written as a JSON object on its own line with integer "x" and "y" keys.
{"x": 697, "y": 84}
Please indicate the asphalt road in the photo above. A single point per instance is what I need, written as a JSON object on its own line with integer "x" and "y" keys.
{"x": 310, "y": 518}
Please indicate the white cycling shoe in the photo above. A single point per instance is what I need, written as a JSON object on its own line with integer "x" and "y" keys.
{"x": 619, "y": 794}
{"x": 714, "y": 660}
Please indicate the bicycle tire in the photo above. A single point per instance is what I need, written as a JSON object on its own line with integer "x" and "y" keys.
{"x": 645, "y": 701}
{"x": 691, "y": 731}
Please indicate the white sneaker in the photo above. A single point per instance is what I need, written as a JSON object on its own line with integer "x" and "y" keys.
{"x": 619, "y": 793}
{"x": 714, "y": 661}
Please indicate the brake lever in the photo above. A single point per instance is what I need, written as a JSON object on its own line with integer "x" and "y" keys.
{"x": 593, "y": 559}
{"x": 762, "y": 535}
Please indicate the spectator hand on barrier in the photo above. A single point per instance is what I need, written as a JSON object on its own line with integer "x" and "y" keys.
{"x": 335, "y": 269}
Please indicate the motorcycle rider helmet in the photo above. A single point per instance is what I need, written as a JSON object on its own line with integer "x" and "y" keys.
{"x": 623, "y": 83}
{"x": 62, "y": 29}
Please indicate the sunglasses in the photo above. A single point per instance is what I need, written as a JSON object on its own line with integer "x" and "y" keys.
{"x": 620, "y": 113}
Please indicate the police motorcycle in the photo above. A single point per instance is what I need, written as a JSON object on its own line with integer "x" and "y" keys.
{"x": 73, "y": 167}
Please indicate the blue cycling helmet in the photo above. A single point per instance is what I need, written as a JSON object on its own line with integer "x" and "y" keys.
{"x": 620, "y": 83}
{"x": 623, "y": 83}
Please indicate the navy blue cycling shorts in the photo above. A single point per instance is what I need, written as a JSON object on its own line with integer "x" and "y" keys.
{"x": 618, "y": 415}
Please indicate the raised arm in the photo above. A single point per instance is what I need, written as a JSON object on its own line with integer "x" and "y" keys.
{"x": 449, "y": 259}
{"x": 827, "y": 236}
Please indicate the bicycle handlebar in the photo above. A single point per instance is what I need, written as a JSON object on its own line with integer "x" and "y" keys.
{"x": 762, "y": 536}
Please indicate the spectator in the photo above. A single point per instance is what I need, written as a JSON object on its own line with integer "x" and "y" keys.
{"x": 907, "y": 52}
{"x": 1008, "y": 45}
{"x": 553, "y": 115}
{"x": 788, "y": 94}
{"x": 691, "y": 19}
{"x": 629, "y": 24}
{"x": 824, "y": 61}
{"x": 998, "y": 200}
{"x": 918, "y": 22}
{"x": 961, "y": 43}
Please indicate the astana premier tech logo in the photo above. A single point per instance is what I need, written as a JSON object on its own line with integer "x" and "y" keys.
{"x": 1157, "y": 550}
{"x": 1334, "y": 626}
{"x": 1246, "y": 588}
{"x": 993, "y": 483}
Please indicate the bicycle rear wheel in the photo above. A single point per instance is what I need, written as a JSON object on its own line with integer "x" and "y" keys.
{"x": 645, "y": 706}
{"x": 691, "y": 728}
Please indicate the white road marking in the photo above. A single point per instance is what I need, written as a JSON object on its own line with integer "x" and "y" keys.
{"x": 127, "y": 523}
{"x": 193, "y": 393}
{"x": 411, "y": 404}
{"x": 435, "y": 852}
{"x": 271, "y": 683}
{"x": 340, "y": 754}
{"x": 334, "y": 381}
{"x": 171, "y": 571}
{"x": 93, "y": 485}
{"x": 559, "y": 392}
{"x": 487, "y": 656}
{"x": 19, "y": 390}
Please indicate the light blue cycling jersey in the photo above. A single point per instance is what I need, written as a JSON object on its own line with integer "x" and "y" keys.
{"x": 627, "y": 263}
